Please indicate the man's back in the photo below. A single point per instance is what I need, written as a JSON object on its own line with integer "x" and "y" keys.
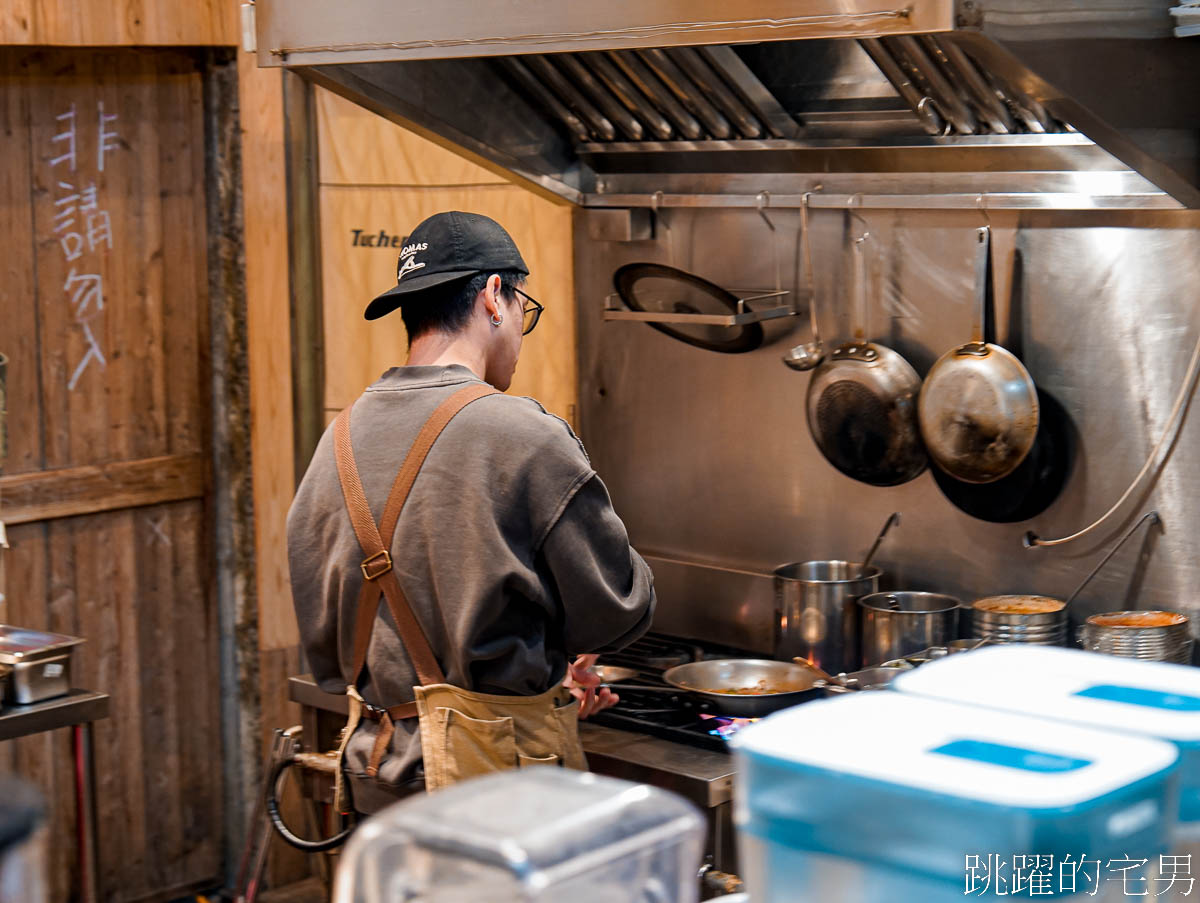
{"x": 507, "y": 549}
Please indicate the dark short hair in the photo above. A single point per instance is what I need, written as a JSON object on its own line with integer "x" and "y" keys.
{"x": 448, "y": 309}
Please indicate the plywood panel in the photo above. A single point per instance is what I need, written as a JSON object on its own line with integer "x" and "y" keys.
{"x": 357, "y": 352}
{"x": 19, "y": 336}
{"x": 359, "y": 148}
{"x": 105, "y": 327}
{"x": 110, "y": 321}
{"x": 90, "y": 488}
{"x": 119, "y": 22}
{"x": 260, "y": 94}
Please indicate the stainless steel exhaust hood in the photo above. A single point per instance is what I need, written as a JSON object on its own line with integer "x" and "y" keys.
{"x": 586, "y": 101}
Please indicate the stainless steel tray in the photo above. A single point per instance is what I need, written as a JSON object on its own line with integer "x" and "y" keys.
{"x": 615, "y": 309}
{"x": 19, "y": 645}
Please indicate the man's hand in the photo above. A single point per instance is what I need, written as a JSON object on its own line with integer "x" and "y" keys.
{"x": 584, "y": 684}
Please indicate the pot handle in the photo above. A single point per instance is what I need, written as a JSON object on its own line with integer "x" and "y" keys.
{"x": 983, "y": 329}
{"x": 1150, "y": 517}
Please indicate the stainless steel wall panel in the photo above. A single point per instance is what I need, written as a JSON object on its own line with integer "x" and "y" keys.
{"x": 708, "y": 457}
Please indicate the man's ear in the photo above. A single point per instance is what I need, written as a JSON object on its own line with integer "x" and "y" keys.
{"x": 491, "y": 296}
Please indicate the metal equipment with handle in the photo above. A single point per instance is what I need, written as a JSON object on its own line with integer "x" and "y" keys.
{"x": 809, "y": 355}
{"x": 978, "y": 408}
{"x": 861, "y": 404}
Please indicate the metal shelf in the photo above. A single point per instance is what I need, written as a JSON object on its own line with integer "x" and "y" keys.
{"x": 615, "y": 309}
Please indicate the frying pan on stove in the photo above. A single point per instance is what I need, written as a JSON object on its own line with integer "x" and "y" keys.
{"x": 862, "y": 405}
{"x": 746, "y": 687}
{"x": 657, "y": 288}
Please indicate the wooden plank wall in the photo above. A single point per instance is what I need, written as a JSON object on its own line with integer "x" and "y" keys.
{"x": 377, "y": 176}
{"x": 264, "y": 196}
{"x": 103, "y": 301}
{"x": 119, "y": 22}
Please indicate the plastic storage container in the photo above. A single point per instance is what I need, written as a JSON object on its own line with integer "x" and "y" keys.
{"x": 536, "y": 834}
{"x": 1149, "y": 698}
{"x": 884, "y": 797}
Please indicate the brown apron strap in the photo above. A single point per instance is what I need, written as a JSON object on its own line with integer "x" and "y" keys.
{"x": 382, "y": 738}
{"x": 377, "y": 563}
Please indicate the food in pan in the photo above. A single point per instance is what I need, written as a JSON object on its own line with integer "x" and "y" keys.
{"x": 762, "y": 688}
{"x": 1019, "y": 605}
{"x": 1138, "y": 619}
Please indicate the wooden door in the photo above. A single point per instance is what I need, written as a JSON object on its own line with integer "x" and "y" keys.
{"x": 104, "y": 316}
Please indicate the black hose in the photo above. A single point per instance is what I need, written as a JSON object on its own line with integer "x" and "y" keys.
{"x": 308, "y": 846}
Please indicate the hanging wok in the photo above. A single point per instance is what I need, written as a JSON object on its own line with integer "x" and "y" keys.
{"x": 1039, "y": 479}
{"x": 862, "y": 405}
{"x": 978, "y": 408}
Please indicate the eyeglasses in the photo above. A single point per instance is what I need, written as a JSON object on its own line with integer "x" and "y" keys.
{"x": 532, "y": 312}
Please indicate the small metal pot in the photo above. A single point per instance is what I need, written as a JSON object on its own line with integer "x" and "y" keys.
{"x": 1039, "y": 620}
{"x": 897, "y": 624}
{"x": 816, "y": 613}
{"x": 1158, "y": 636}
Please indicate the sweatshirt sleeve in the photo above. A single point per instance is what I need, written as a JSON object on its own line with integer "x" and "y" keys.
{"x": 311, "y": 534}
{"x": 606, "y": 589}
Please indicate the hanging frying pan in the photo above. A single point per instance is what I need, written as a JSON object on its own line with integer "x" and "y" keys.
{"x": 1033, "y": 486}
{"x": 1039, "y": 479}
{"x": 657, "y": 288}
{"x": 862, "y": 405}
{"x": 978, "y": 408}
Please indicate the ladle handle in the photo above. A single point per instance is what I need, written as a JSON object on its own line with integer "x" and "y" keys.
{"x": 1150, "y": 516}
{"x": 806, "y": 252}
{"x": 893, "y": 519}
{"x": 861, "y": 327}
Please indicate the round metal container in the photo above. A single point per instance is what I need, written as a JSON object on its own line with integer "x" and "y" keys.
{"x": 1038, "y": 620}
{"x": 817, "y": 616}
{"x": 898, "y": 624}
{"x": 1158, "y": 636}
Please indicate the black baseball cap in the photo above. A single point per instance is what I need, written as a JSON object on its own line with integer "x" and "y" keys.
{"x": 447, "y": 247}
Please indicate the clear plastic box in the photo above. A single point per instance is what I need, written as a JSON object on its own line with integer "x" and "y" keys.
{"x": 532, "y": 835}
{"x": 883, "y": 797}
{"x": 1154, "y": 699}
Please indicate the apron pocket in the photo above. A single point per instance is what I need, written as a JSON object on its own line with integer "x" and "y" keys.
{"x": 524, "y": 761}
{"x": 566, "y": 718}
{"x": 472, "y": 746}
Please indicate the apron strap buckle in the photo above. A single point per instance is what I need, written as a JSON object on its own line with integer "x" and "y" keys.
{"x": 382, "y": 559}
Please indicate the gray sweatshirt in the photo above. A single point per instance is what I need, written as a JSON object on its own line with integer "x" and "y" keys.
{"x": 508, "y": 550}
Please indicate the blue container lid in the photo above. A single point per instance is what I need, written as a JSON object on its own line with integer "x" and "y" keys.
{"x": 1153, "y": 699}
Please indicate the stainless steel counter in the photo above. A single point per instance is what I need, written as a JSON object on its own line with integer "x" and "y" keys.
{"x": 700, "y": 775}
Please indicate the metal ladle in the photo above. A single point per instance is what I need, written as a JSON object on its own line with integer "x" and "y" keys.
{"x": 809, "y": 355}
{"x": 893, "y": 519}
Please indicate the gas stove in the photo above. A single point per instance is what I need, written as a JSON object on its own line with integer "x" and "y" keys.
{"x": 669, "y": 715}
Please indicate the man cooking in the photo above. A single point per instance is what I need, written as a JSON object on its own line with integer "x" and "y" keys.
{"x": 453, "y": 555}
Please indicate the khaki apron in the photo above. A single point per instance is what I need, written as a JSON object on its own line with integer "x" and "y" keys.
{"x": 463, "y": 733}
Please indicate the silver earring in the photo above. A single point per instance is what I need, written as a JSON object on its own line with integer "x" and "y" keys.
{"x": 497, "y": 319}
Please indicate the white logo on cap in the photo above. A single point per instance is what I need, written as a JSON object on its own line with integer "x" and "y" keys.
{"x": 407, "y": 267}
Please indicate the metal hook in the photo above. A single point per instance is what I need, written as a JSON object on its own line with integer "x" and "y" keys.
{"x": 763, "y": 200}
{"x": 656, "y": 200}
{"x": 981, "y": 203}
{"x": 856, "y": 201}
